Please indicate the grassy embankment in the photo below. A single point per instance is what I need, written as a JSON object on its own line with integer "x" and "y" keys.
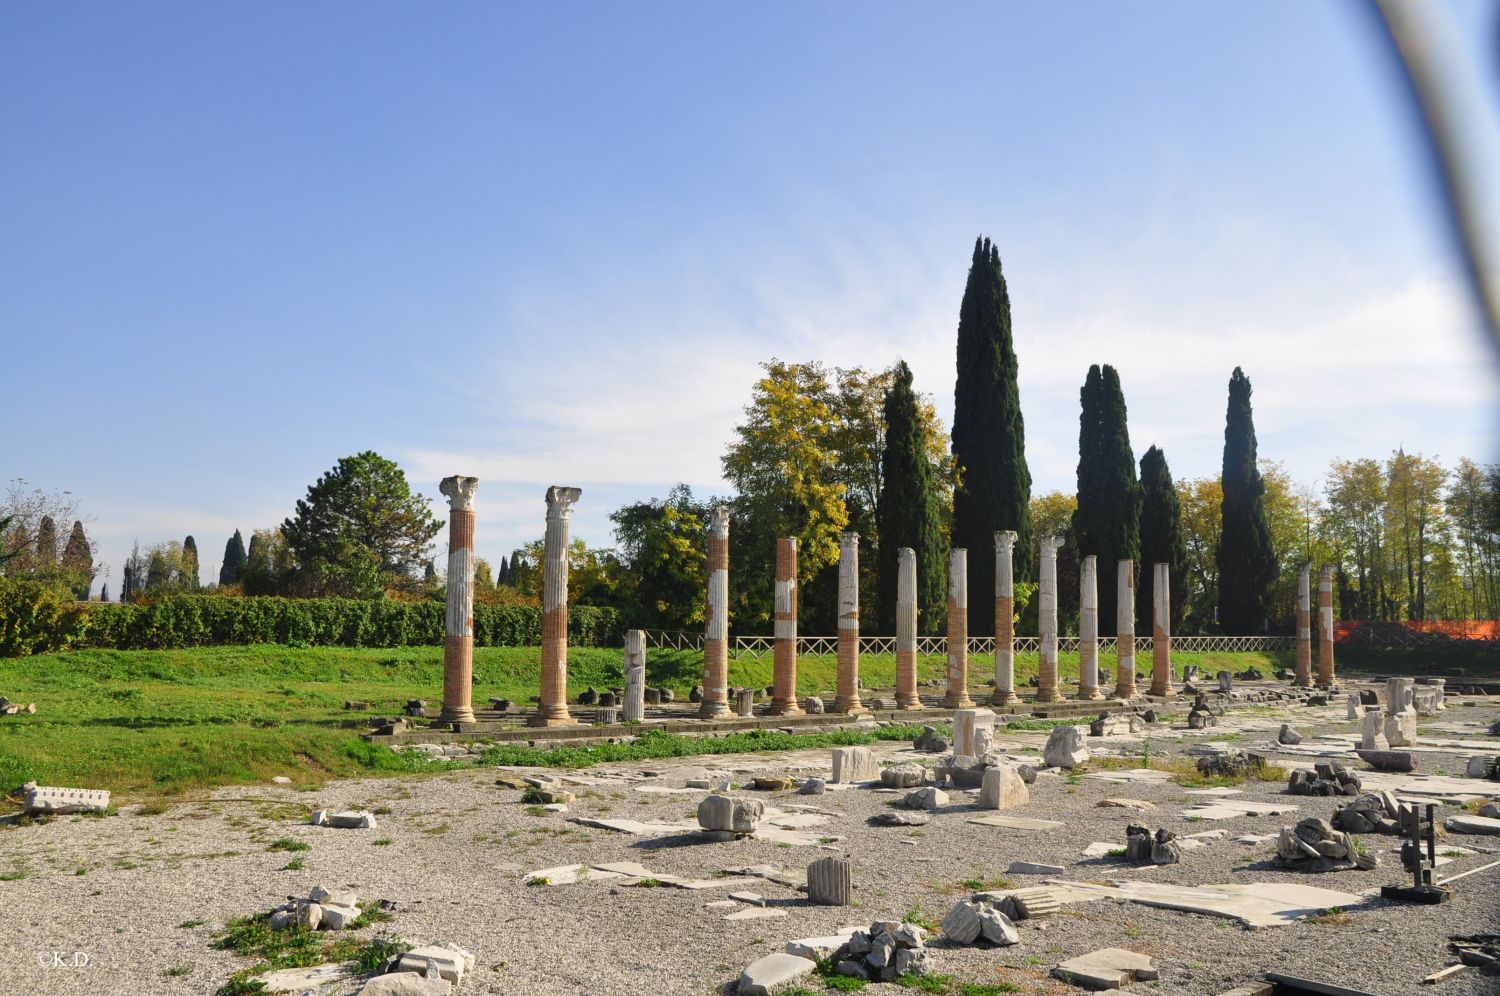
{"x": 146, "y": 722}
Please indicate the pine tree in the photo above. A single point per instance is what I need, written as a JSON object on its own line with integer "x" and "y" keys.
{"x": 78, "y": 562}
{"x": 502, "y": 577}
{"x": 1246, "y": 559}
{"x": 190, "y": 564}
{"x": 1107, "y": 522}
{"x": 233, "y": 567}
{"x": 104, "y": 593}
{"x": 908, "y": 513}
{"x": 989, "y": 437}
{"x": 45, "y": 558}
{"x": 1162, "y": 541}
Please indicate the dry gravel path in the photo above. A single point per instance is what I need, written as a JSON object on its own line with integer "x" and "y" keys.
{"x": 459, "y": 845}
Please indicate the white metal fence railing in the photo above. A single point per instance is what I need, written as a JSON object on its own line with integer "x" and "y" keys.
{"x": 755, "y": 647}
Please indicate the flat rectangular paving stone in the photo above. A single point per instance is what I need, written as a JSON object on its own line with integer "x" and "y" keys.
{"x": 1130, "y": 775}
{"x": 1016, "y": 822}
{"x": 1028, "y": 868}
{"x": 1464, "y": 823}
{"x": 756, "y": 913}
{"x": 775, "y": 971}
{"x": 1233, "y": 809}
{"x": 1101, "y": 849}
{"x": 1261, "y": 904}
{"x": 633, "y": 827}
{"x": 1215, "y": 791}
{"x": 1107, "y": 968}
{"x": 570, "y": 875}
{"x": 296, "y": 980}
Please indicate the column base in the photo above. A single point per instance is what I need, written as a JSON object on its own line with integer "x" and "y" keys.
{"x": 963, "y": 702}
{"x": 1168, "y": 693}
{"x": 1125, "y": 694}
{"x": 563, "y": 718}
{"x": 457, "y": 714}
{"x": 912, "y": 704}
{"x": 784, "y": 708}
{"x": 851, "y": 708}
{"x": 1090, "y": 695}
{"x": 714, "y": 710}
{"x": 1004, "y": 698}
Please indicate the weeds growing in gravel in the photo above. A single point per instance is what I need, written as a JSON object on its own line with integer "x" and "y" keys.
{"x": 288, "y": 844}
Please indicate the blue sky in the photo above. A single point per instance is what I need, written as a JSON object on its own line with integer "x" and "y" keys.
{"x": 550, "y": 243}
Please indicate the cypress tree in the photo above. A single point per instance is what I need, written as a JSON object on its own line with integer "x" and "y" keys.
{"x": 78, "y": 562}
{"x": 429, "y": 573}
{"x": 908, "y": 513}
{"x": 104, "y": 592}
{"x": 502, "y": 576}
{"x": 233, "y": 567}
{"x": 1162, "y": 541}
{"x": 1246, "y": 560}
{"x": 46, "y": 545}
{"x": 1107, "y": 522}
{"x": 989, "y": 437}
{"x": 189, "y": 569}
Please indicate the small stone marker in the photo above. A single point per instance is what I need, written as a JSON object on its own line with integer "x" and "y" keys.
{"x": 450, "y": 960}
{"x": 966, "y": 724}
{"x": 830, "y": 882}
{"x": 724, "y": 818}
{"x": 854, "y": 764}
{"x": 744, "y": 702}
{"x": 1003, "y": 788}
{"x": 1108, "y": 968}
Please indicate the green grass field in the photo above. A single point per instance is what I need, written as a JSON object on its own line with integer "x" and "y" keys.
{"x": 150, "y": 722}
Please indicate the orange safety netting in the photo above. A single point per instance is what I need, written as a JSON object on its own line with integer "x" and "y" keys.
{"x": 1458, "y": 629}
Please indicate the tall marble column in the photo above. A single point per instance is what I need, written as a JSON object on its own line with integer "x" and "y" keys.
{"x": 1047, "y": 618}
{"x": 553, "y": 710}
{"x": 956, "y": 696}
{"x": 716, "y": 620}
{"x": 784, "y": 676}
{"x": 1088, "y": 629}
{"x": 847, "y": 697}
{"x": 1125, "y": 630}
{"x": 1325, "y": 627}
{"x": 458, "y": 624}
{"x": 906, "y": 629}
{"x": 633, "y": 709}
{"x": 1304, "y": 627}
{"x": 1005, "y": 619}
{"x": 1161, "y": 631}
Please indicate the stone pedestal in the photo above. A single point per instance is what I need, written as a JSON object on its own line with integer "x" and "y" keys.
{"x": 634, "y": 706}
{"x": 966, "y": 726}
{"x": 784, "y": 675}
{"x": 1003, "y": 788}
{"x": 1161, "y": 631}
{"x": 957, "y": 694}
{"x": 716, "y": 620}
{"x": 906, "y": 629}
{"x": 1326, "y": 676}
{"x": 744, "y": 702}
{"x": 458, "y": 623}
{"x": 1047, "y": 690}
{"x": 1088, "y": 629}
{"x": 847, "y": 698}
{"x": 553, "y": 710}
{"x": 1304, "y": 627}
{"x": 1125, "y": 629}
{"x": 1005, "y": 619}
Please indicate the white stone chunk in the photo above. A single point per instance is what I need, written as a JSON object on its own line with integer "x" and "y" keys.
{"x": 1003, "y": 788}
{"x": 765, "y": 975}
{"x": 1065, "y": 748}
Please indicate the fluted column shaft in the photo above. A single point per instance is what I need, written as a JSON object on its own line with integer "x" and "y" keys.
{"x": 1005, "y": 619}
{"x": 906, "y": 629}
{"x": 847, "y": 697}
{"x": 1125, "y": 629}
{"x": 716, "y": 619}
{"x": 784, "y": 677}
{"x": 1325, "y": 627}
{"x": 458, "y": 622}
{"x": 956, "y": 696}
{"x": 1047, "y": 620}
{"x": 1161, "y": 631}
{"x": 633, "y": 709}
{"x": 1088, "y": 629}
{"x": 553, "y": 710}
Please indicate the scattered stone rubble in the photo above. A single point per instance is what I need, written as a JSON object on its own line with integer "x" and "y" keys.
{"x": 972, "y": 920}
{"x": 1313, "y": 845}
{"x": 9, "y": 708}
{"x": 1159, "y": 848}
{"x": 1378, "y": 813}
{"x": 1116, "y": 724}
{"x": 1107, "y": 968}
{"x": 322, "y": 909}
{"x": 930, "y": 742}
{"x": 1232, "y": 763}
{"x": 1326, "y": 778}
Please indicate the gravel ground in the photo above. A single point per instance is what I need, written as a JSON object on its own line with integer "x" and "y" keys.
{"x": 459, "y": 846}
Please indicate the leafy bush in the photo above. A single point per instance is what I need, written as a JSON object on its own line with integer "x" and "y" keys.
{"x": 206, "y": 620}
{"x": 36, "y": 618}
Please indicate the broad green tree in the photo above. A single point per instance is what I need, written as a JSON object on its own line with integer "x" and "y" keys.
{"x": 1202, "y": 508}
{"x": 268, "y": 565}
{"x": 359, "y": 530}
{"x": 1246, "y": 557}
{"x": 993, "y": 486}
{"x": 663, "y": 556}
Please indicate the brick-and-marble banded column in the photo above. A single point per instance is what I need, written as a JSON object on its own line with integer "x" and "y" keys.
{"x": 1088, "y": 629}
{"x": 1047, "y": 619}
{"x": 716, "y": 620}
{"x": 1304, "y": 627}
{"x": 458, "y": 624}
{"x": 906, "y": 629}
{"x": 956, "y": 696}
{"x": 633, "y": 709}
{"x": 553, "y": 710}
{"x": 784, "y": 677}
{"x": 1005, "y": 619}
{"x": 1125, "y": 630}
{"x": 1161, "y": 631}
{"x": 1325, "y": 627}
{"x": 847, "y": 697}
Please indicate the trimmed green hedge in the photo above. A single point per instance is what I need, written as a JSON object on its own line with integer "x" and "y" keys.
{"x": 209, "y": 620}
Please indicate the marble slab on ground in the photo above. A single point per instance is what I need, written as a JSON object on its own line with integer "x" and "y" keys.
{"x": 633, "y": 827}
{"x": 1446, "y": 786}
{"x": 1127, "y": 775}
{"x": 1215, "y": 791}
{"x": 756, "y": 913}
{"x": 1016, "y": 822}
{"x": 1101, "y": 849}
{"x": 1261, "y": 904}
{"x": 1235, "y": 808}
{"x": 297, "y": 980}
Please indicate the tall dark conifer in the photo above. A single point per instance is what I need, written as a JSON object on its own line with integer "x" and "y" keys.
{"x": 908, "y": 513}
{"x": 233, "y": 567}
{"x": 989, "y": 437}
{"x": 45, "y": 557}
{"x": 1107, "y": 522}
{"x": 502, "y": 576}
{"x": 78, "y": 562}
{"x": 1246, "y": 559}
{"x": 190, "y": 563}
{"x": 1162, "y": 541}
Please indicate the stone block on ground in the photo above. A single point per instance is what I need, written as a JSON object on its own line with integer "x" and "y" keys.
{"x": 962, "y": 924}
{"x": 928, "y": 798}
{"x": 450, "y": 960}
{"x": 1107, "y": 968}
{"x": 1065, "y": 748}
{"x": 55, "y": 800}
{"x": 854, "y": 764}
{"x": 1463, "y": 823}
{"x": 764, "y": 976}
{"x": 997, "y": 928}
{"x": 830, "y": 882}
{"x": 725, "y": 814}
{"x": 1003, "y": 788}
{"x": 407, "y": 984}
{"x": 966, "y": 724}
{"x": 1288, "y": 736}
{"x": 929, "y": 741}
{"x": 1389, "y": 760}
{"x": 903, "y": 776}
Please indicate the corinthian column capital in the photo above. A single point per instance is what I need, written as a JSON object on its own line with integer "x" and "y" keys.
{"x": 459, "y": 491}
{"x": 560, "y": 501}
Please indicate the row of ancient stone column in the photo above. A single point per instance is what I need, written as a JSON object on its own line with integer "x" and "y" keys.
{"x": 458, "y": 644}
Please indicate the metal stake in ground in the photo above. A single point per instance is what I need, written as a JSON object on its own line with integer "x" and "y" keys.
{"x": 553, "y": 710}
{"x": 716, "y": 619}
{"x": 784, "y": 673}
{"x": 847, "y": 698}
{"x": 906, "y": 629}
{"x": 1005, "y": 619}
{"x": 458, "y": 624}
